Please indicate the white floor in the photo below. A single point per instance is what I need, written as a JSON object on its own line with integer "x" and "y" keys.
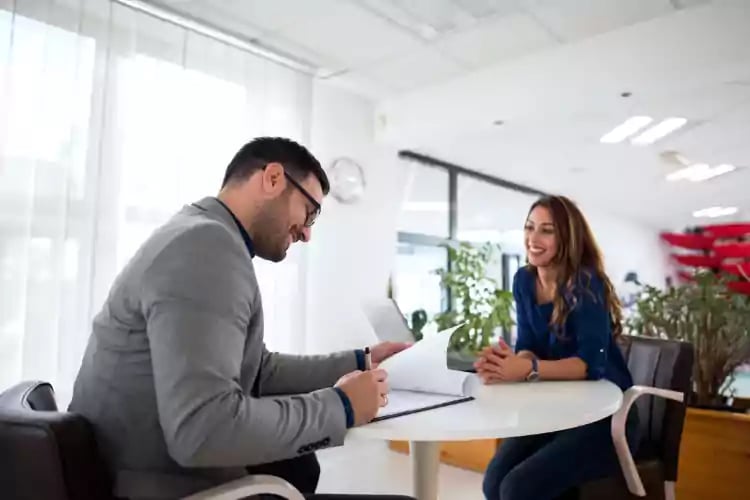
{"x": 370, "y": 467}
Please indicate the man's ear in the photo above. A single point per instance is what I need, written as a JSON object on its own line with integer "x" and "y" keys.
{"x": 273, "y": 178}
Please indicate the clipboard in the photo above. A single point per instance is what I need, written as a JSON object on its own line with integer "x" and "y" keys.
{"x": 424, "y": 408}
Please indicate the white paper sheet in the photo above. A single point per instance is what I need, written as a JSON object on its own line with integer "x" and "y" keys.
{"x": 424, "y": 368}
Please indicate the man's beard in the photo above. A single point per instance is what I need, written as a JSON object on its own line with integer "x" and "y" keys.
{"x": 271, "y": 230}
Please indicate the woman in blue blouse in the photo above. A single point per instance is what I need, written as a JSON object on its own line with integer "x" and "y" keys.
{"x": 568, "y": 321}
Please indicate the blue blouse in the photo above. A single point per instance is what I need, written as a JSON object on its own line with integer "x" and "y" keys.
{"x": 587, "y": 332}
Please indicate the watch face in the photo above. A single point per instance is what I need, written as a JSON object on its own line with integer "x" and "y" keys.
{"x": 533, "y": 377}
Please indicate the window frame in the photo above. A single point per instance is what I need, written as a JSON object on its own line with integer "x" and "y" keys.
{"x": 454, "y": 173}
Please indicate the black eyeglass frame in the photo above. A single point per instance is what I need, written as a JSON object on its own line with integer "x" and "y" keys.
{"x": 311, "y": 216}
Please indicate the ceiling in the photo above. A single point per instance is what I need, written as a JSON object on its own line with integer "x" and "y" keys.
{"x": 552, "y": 71}
{"x": 383, "y": 47}
{"x": 555, "y": 105}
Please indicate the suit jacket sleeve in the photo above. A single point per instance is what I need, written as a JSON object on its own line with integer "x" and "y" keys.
{"x": 290, "y": 374}
{"x": 197, "y": 302}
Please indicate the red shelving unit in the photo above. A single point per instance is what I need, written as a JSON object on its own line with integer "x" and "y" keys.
{"x": 733, "y": 250}
{"x": 721, "y": 247}
{"x": 697, "y": 260}
{"x": 689, "y": 241}
{"x": 741, "y": 230}
{"x": 740, "y": 287}
{"x": 738, "y": 269}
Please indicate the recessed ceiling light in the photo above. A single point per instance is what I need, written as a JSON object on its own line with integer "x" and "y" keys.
{"x": 627, "y": 128}
{"x": 658, "y": 131}
{"x": 713, "y": 212}
{"x": 700, "y": 172}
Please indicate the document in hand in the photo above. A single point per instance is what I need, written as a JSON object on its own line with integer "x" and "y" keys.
{"x": 420, "y": 379}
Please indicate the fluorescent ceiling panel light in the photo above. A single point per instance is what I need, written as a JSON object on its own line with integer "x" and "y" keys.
{"x": 713, "y": 212}
{"x": 659, "y": 131}
{"x": 700, "y": 172}
{"x": 425, "y": 206}
{"x": 629, "y": 127}
{"x": 712, "y": 172}
{"x": 696, "y": 169}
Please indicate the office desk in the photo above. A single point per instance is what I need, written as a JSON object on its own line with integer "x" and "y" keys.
{"x": 498, "y": 411}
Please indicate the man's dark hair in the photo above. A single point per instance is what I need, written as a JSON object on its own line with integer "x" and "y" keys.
{"x": 256, "y": 154}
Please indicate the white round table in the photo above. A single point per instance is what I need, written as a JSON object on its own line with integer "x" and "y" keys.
{"x": 498, "y": 411}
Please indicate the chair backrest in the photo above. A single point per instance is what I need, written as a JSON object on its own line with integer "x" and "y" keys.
{"x": 45, "y": 453}
{"x": 666, "y": 364}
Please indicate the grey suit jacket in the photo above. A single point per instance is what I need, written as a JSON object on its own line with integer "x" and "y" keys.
{"x": 176, "y": 379}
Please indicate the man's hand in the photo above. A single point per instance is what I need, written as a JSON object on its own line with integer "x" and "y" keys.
{"x": 500, "y": 364}
{"x": 385, "y": 350}
{"x": 367, "y": 391}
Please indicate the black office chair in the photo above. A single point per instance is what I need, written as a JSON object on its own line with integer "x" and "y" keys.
{"x": 662, "y": 373}
{"x": 51, "y": 455}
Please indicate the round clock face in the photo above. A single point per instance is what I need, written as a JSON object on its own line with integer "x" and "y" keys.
{"x": 347, "y": 180}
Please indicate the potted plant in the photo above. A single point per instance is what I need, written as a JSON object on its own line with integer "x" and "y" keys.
{"x": 711, "y": 317}
{"x": 480, "y": 305}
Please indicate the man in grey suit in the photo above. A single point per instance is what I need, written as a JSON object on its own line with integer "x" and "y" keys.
{"x": 176, "y": 379}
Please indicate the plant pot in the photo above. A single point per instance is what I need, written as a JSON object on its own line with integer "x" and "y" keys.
{"x": 742, "y": 404}
{"x": 461, "y": 360}
{"x": 714, "y": 459}
{"x": 723, "y": 404}
{"x": 728, "y": 409}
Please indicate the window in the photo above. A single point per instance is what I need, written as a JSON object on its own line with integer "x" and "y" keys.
{"x": 110, "y": 121}
{"x": 426, "y": 202}
{"x": 487, "y": 212}
{"x": 446, "y": 204}
{"x": 45, "y": 114}
{"x": 416, "y": 285}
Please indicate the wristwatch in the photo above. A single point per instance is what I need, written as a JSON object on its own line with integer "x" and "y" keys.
{"x": 533, "y": 375}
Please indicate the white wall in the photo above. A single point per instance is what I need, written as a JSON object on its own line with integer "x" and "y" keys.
{"x": 629, "y": 246}
{"x": 353, "y": 246}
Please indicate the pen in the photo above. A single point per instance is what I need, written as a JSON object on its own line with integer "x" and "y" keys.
{"x": 368, "y": 359}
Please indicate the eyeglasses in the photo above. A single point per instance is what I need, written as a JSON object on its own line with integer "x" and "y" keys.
{"x": 311, "y": 216}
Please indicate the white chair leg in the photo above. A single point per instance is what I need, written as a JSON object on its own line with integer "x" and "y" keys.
{"x": 669, "y": 490}
{"x": 619, "y": 420}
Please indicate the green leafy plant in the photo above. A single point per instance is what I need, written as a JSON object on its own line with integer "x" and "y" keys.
{"x": 479, "y": 303}
{"x": 708, "y": 315}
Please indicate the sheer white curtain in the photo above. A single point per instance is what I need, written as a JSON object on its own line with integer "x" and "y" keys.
{"x": 110, "y": 121}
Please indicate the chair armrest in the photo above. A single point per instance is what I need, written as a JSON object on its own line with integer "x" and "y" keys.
{"x": 250, "y": 486}
{"x": 629, "y": 470}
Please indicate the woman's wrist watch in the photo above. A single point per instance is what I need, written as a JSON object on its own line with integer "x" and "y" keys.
{"x": 533, "y": 375}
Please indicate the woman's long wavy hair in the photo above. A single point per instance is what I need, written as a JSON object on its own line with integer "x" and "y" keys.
{"x": 577, "y": 257}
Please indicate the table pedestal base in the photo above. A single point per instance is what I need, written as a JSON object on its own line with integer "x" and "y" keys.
{"x": 425, "y": 461}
